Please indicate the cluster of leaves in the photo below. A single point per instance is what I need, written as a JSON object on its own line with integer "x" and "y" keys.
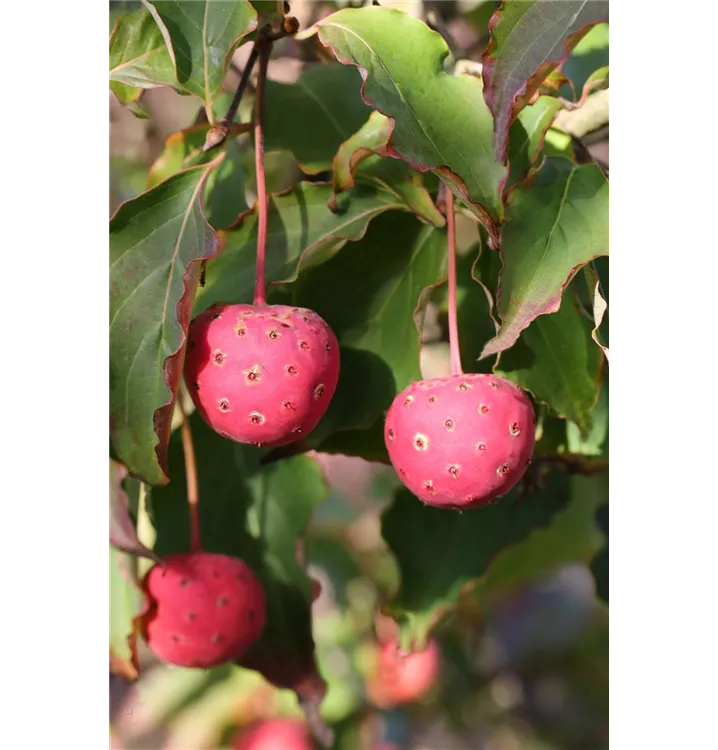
{"x": 359, "y": 238}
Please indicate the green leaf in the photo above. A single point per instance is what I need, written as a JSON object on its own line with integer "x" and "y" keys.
{"x": 558, "y": 224}
{"x": 528, "y": 41}
{"x": 481, "y": 14}
{"x": 265, "y": 6}
{"x": 366, "y": 443}
{"x": 281, "y": 172}
{"x": 126, "y": 603}
{"x": 363, "y": 151}
{"x": 123, "y": 533}
{"x": 398, "y": 177}
{"x": 595, "y": 441}
{"x": 555, "y": 359}
{"x": 441, "y": 121}
{"x": 550, "y": 433}
{"x": 257, "y": 513}
{"x": 526, "y": 138}
{"x": 182, "y": 150}
{"x": 598, "y": 277}
{"x": 121, "y": 8}
{"x": 156, "y": 240}
{"x": 571, "y": 537}
{"x": 138, "y": 57}
{"x": 299, "y": 226}
{"x": 201, "y": 37}
{"x": 370, "y": 293}
{"x": 439, "y": 552}
{"x": 558, "y": 143}
{"x": 137, "y": 107}
{"x": 588, "y": 57}
{"x": 130, "y": 97}
{"x": 371, "y": 138}
{"x": 225, "y": 197}
{"x": 597, "y": 81}
{"x": 326, "y": 108}
{"x": 552, "y": 85}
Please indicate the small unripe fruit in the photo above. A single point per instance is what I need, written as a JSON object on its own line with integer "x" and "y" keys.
{"x": 275, "y": 734}
{"x": 400, "y": 678}
{"x": 261, "y": 374}
{"x": 461, "y": 441}
{"x": 205, "y": 609}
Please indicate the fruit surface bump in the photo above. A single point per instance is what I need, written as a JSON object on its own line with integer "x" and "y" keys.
{"x": 205, "y": 609}
{"x": 261, "y": 374}
{"x": 461, "y": 441}
{"x": 275, "y": 734}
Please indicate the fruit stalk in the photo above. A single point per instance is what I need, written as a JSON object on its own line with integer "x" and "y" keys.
{"x": 454, "y": 349}
{"x": 191, "y": 473}
{"x": 265, "y": 47}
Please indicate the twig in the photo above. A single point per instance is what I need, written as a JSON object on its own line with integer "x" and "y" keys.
{"x": 453, "y": 326}
{"x": 239, "y": 72}
{"x": 242, "y": 86}
{"x": 265, "y": 36}
{"x": 436, "y": 23}
{"x": 217, "y": 135}
{"x": 191, "y": 472}
{"x": 540, "y": 467}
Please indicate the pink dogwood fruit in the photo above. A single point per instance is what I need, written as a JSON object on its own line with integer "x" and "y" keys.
{"x": 261, "y": 374}
{"x": 205, "y": 609}
{"x": 461, "y": 441}
{"x": 275, "y": 734}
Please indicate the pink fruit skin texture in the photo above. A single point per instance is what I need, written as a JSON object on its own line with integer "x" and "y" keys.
{"x": 403, "y": 678}
{"x": 461, "y": 441}
{"x": 262, "y": 375}
{"x": 275, "y": 734}
{"x": 205, "y": 609}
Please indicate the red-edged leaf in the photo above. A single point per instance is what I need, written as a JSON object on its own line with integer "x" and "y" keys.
{"x": 365, "y": 154}
{"x": 371, "y": 138}
{"x": 528, "y": 41}
{"x": 326, "y": 108}
{"x": 441, "y": 121}
{"x": 597, "y": 81}
{"x": 597, "y": 275}
{"x": 224, "y": 193}
{"x": 123, "y": 533}
{"x": 127, "y": 602}
{"x": 526, "y": 138}
{"x": 556, "y": 361}
{"x": 182, "y": 150}
{"x": 558, "y": 224}
{"x": 156, "y": 240}
{"x": 553, "y": 84}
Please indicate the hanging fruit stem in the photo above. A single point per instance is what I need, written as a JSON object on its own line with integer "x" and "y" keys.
{"x": 264, "y": 46}
{"x": 454, "y": 350}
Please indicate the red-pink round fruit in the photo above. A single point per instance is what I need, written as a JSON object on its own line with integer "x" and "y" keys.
{"x": 261, "y": 374}
{"x": 205, "y": 609}
{"x": 275, "y": 734}
{"x": 399, "y": 678}
{"x": 461, "y": 441}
